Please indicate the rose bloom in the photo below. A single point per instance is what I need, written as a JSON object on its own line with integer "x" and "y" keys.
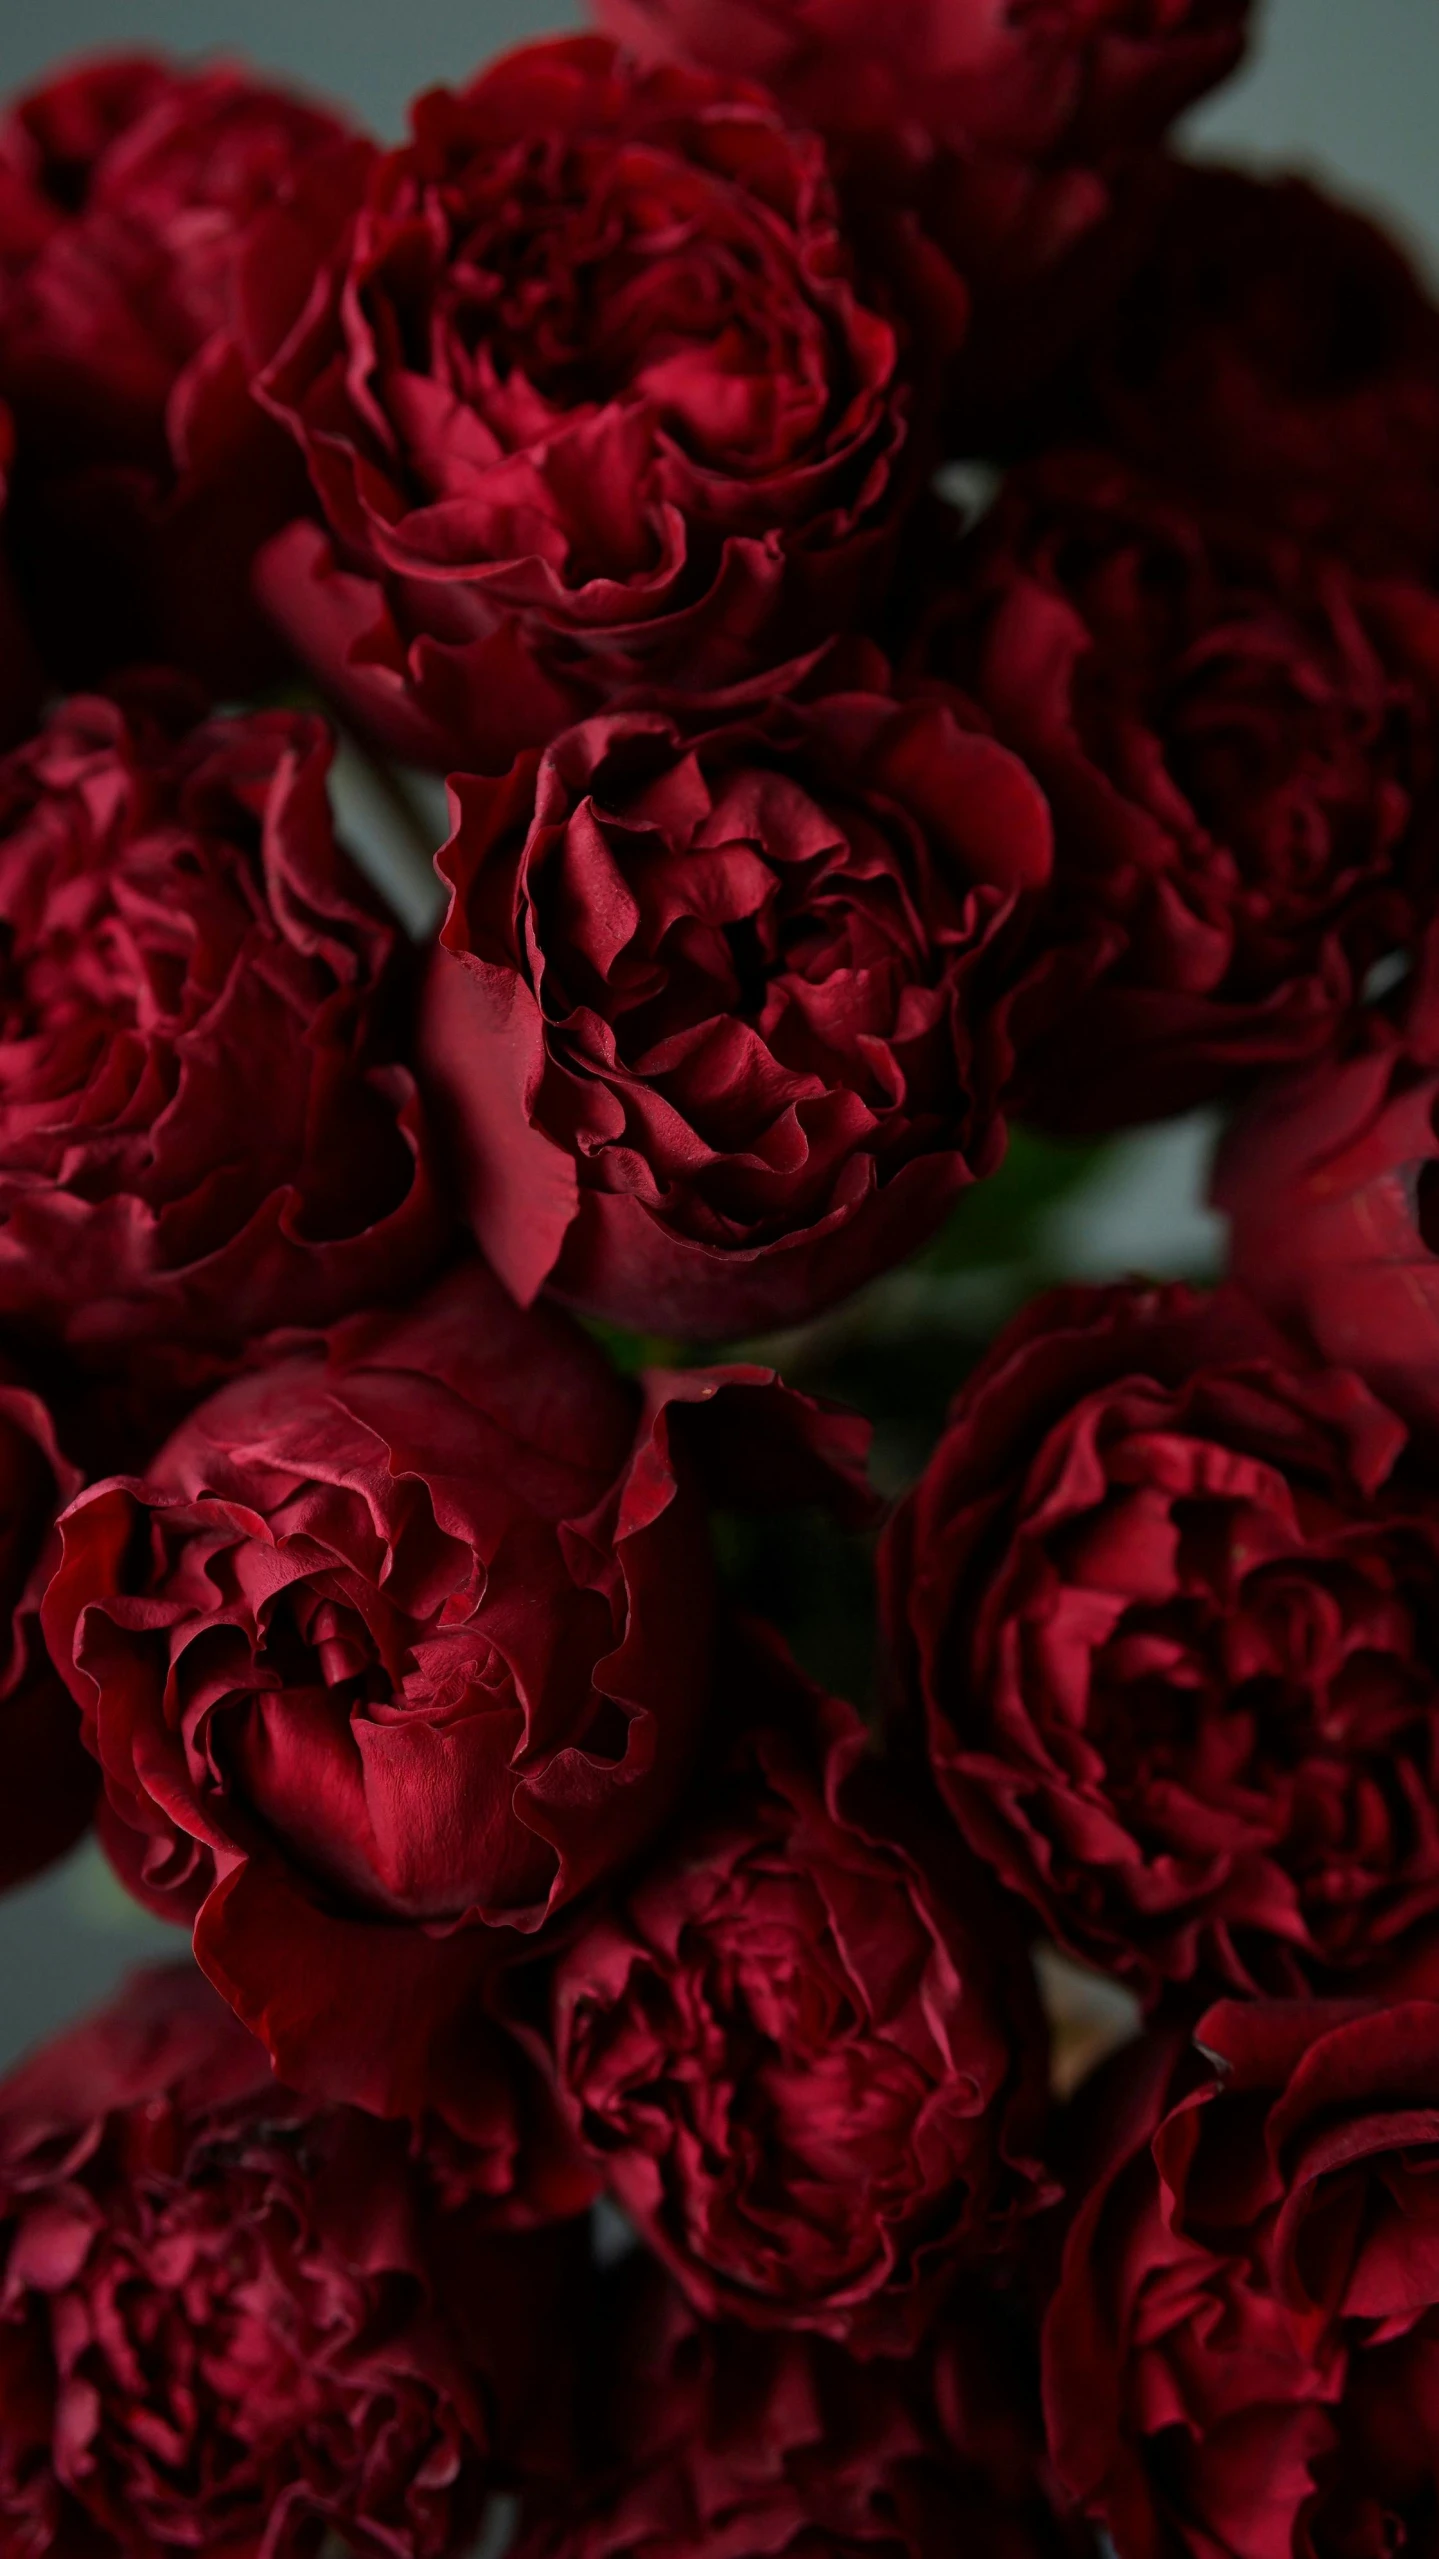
{"x": 589, "y": 392}
{"x": 403, "y": 1643}
{"x": 718, "y": 1019}
{"x": 1238, "y": 743}
{"x": 1162, "y": 1609}
{"x": 1242, "y": 2353}
{"x": 203, "y": 1129}
{"x": 1275, "y": 355}
{"x": 1331, "y": 1185}
{"x": 230, "y": 2322}
{"x": 50, "y": 1784}
{"x": 715, "y": 2441}
{"x": 805, "y": 2055}
{"x": 1010, "y": 124}
{"x": 129, "y": 191}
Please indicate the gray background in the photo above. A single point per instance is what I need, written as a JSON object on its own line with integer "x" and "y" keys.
{"x": 1345, "y": 88}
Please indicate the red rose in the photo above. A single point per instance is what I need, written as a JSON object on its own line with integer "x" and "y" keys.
{"x": 810, "y": 2065}
{"x": 589, "y": 394}
{"x": 1329, "y": 1181}
{"x": 727, "y": 1029}
{"x": 1276, "y": 355}
{"x": 229, "y": 2322}
{"x": 405, "y": 1642}
{"x": 202, "y": 1132}
{"x": 1164, "y": 1603}
{"x": 129, "y": 191}
{"x": 50, "y": 1785}
{"x": 1185, "y": 2410}
{"x": 1244, "y": 2350}
{"x": 1238, "y": 742}
{"x": 720, "y": 2442}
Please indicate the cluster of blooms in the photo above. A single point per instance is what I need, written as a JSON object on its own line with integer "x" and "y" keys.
{"x": 359, "y": 1579}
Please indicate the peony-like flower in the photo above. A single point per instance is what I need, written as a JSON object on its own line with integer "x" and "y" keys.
{"x": 718, "y": 1020}
{"x": 50, "y": 1782}
{"x": 714, "y": 2441}
{"x": 204, "y": 1131}
{"x": 807, "y": 2059}
{"x": 230, "y": 2322}
{"x": 405, "y": 1642}
{"x": 589, "y": 395}
{"x": 1274, "y": 355}
{"x": 1162, "y": 1608}
{"x": 1330, "y": 1181}
{"x": 130, "y": 189}
{"x": 1243, "y": 2352}
{"x": 1240, "y": 747}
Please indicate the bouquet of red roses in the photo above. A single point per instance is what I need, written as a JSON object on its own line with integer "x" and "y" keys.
{"x": 810, "y": 1851}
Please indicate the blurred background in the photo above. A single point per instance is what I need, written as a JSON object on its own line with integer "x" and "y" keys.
{"x": 1345, "y": 90}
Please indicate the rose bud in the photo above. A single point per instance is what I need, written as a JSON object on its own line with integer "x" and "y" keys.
{"x": 233, "y": 2323}
{"x": 589, "y": 394}
{"x": 203, "y": 1129}
{"x": 1275, "y": 355}
{"x": 50, "y": 1780}
{"x": 130, "y": 190}
{"x": 1162, "y": 1611}
{"x": 1331, "y": 1184}
{"x": 1238, "y": 743}
{"x": 1186, "y": 2408}
{"x": 716, "y": 2441}
{"x": 807, "y": 2058}
{"x": 718, "y": 1018}
{"x": 405, "y": 1642}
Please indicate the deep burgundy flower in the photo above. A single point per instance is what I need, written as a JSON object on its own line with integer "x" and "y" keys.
{"x": 590, "y": 394}
{"x": 803, "y": 2051}
{"x": 1274, "y": 354}
{"x": 130, "y": 189}
{"x": 1331, "y": 1184}
{"x": 718, "y": 1019}
{"x": 1243, "y": 2350}
{"x": 49, "y": 1784}
{"x": 1240, "y": 745}
{"x": 1163, "y": 1606}
{"x": 203, "y": 1129}
{"x": 230, "y": 2321}
{"x": 406, "y": 1641}
{"x": 715, "y": 2441}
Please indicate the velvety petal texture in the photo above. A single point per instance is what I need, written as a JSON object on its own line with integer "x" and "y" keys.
{"x": 1239, "y": 740}
{"x": 404, "y": 1643}
{"x": 718, "y": 1021}
{"x": 1162, "y": 1612}
{"x": 1330, "y": 1182}
{"x": 712, "y": 2441}
{"x": 205, "y": 1129}
{"x": 231, "y": 2322}
{"x": 48, "y": 1786}
{"x": 129, "y": 191}
{"x": 590, "y": 393}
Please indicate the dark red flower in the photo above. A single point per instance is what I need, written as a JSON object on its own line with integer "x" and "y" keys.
{"x": 719, "y": 1015}
{"x": 1243, "y": 2353}
{"x": 203, "y": 1131}
{"x": 808, "y": 2060}
{"x": 1331, "y": 1183}
{"x": 590, "y": 395}
{"x": 49, "y": 1783}
{"x": 716, "y": 2441}
{"x": 404, "y": 1643}
{"x": 1163, "y": 1605}
{"x": 1275, "y": 355}
{"x": 130, "y": 189}
{"x": 1240, "y": 746}
{"x": 230, "y": 2322}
